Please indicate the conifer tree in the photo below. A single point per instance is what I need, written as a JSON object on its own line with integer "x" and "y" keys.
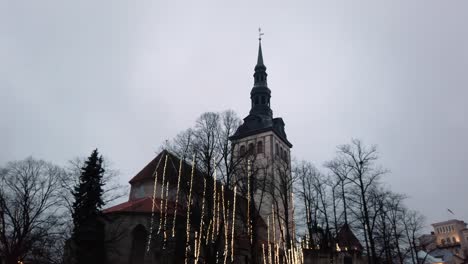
{"x": 88, "y": 231}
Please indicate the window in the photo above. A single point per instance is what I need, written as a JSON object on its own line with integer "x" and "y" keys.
{"x": 281, "y": 152}
{"x": 263, "y": 99}
{"x": 256, "y": 100}
{"x": 251, "y": 148}
{"x": 259, "y": 147}
{"x": 242, "y": 150}
{"x": 276, "y": 150}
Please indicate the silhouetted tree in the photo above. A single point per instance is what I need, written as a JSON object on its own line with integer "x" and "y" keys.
{"x": 30, "y": 210}
{"x": 88, "y": 232}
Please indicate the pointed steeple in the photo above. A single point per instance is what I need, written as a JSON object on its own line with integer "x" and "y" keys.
{"x": 260, "y": 75}
{"x": 260, "y": 94}
{"x": 260, "y": 55}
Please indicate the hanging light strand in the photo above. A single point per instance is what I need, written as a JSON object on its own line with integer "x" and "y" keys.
{"x": 155, "y": 174}
{"x": 176, "y": 200}
{"x": 187, "y": 247}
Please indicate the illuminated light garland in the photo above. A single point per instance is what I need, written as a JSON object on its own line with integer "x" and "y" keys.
{"x": 226, "y": 232}
{"x": 217, "y": 214}
{"x": 162, "y": 195}
{"x": 187, "y": 247}
{"x": 249, "y": 227}
{"x": 177, "y": 199}
{"x": 208, "y": 232}
{"x": 153, "y": 204}
{"x": 165, "y": 214}
{"x": 263, "y": 251}
{"x": 233, "y": 223}
{"x": 214, "y": 202}
{"x": 269, "y": 243}
{"x": 274, "y": 232}
{"x": 195, "y": 249}
{"x": 202, "y": 220}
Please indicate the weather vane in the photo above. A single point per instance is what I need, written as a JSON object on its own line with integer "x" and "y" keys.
{"x": 260, "y": 34}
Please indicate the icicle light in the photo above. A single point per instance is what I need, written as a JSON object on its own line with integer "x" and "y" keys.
{"x": 187, "y": 248}
{"x": 162, "y": 195}
{"x": 153, "y": 204}
{"x": 233, "y": 223}
{"x": 176, "y": 200}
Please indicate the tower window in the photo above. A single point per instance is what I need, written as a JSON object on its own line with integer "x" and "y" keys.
{"x": 260, "y": 147}
{"x": 263, "y": 99}
{"x": 251, "y": 148}
{"x": 242, "y": 150}
{"x": 256, "y": 100}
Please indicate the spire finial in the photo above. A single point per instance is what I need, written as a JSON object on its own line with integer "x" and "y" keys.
{"x": 260, "y": 34}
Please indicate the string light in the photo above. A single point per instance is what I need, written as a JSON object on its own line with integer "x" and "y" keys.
{"x": 187, "y": 248}
{"x": 249, "y": 231}
{"x": 202, "y": 220}
{"x": 165, "y": 214}
{"x": 162, "y": 195}
{"x": 233, "y": 223}
{"x": 177, "y": 199}
{"x": 155, "y": 174}
{"x": 214, "y": 202}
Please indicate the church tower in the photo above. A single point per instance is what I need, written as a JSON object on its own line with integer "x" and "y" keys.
{"x": 262, "y": 140}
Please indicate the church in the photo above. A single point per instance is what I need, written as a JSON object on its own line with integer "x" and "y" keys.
{"x": 177, "y": 214}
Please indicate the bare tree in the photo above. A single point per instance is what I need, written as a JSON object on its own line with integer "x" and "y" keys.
{"x": 364, "y": 174}
{"x": 30, "y": 211}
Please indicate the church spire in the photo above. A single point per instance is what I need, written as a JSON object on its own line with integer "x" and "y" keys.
{"x": 260, "y": 75}
{"x": 260, "y": 94}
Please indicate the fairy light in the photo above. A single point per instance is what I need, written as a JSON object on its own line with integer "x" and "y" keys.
{"x": 208, "y": 232}
{"x": 263, "y": 251}
{"x": 226, "y": 232}
{"x": 274, "y": 234}
{"x": 177, "y": 199}
{"x": 188, "y": 211}
{"x": 217, "y": 214}
{"x": 233, "y": 223}
{"x": 249, "y": 231}
{"x": 224, "y": 223}
{"x": 153, "y": 204}
{"x": 202, "y": 220}
{"x": 165, "y": 214}
{"x": 269, "y": 243}
{"x": 195, "y": 249}
{"x": 214, "y": 202}
{"x": 162, "y": 195}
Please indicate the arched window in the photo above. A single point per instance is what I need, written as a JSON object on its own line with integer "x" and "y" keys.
{"x": 260, "y": 147}
{"x": 137, "y": 254}
{"x": 242, "y": 150}
{"x": 251, "y": 148}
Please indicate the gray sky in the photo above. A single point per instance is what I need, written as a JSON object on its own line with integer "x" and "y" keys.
{"x": 123, "y": 77}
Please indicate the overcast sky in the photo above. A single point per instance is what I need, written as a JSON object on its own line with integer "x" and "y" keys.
{"x": 125, "y": 76}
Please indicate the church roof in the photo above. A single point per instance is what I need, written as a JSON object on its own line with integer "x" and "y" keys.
{"x": 346, "y": 238}
{"x": 148, "y": 172}
{"x": 143, "y": 205}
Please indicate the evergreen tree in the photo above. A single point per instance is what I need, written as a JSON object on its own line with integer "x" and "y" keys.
{"x": 88, "y": 231}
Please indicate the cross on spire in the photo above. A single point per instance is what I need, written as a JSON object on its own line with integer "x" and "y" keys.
{"x": 260, "y": 34}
